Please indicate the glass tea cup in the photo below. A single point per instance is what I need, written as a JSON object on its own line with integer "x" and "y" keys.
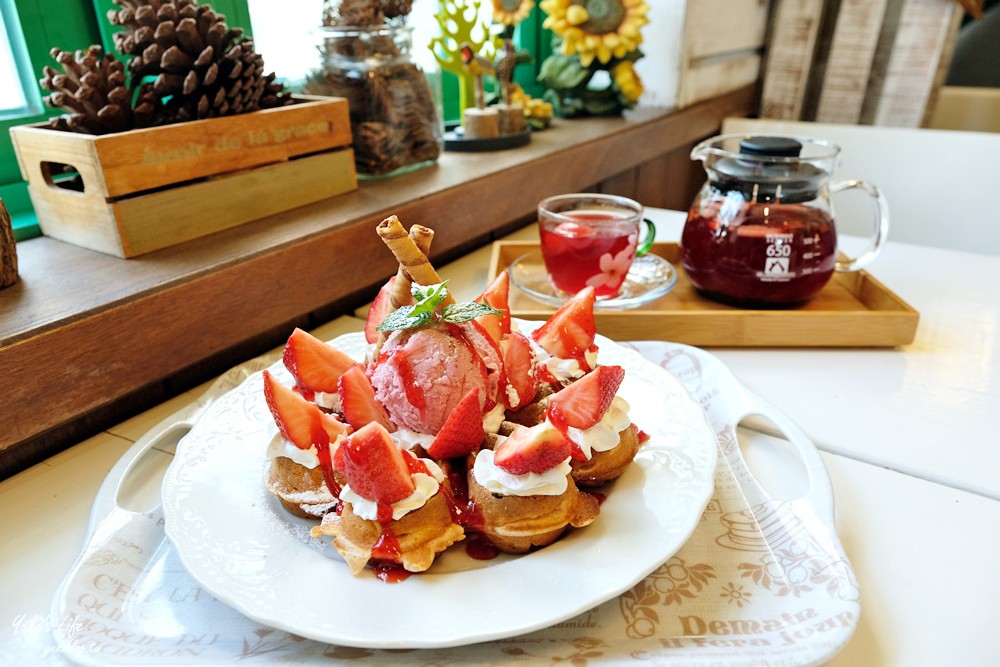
{"x": 590, "y": 240}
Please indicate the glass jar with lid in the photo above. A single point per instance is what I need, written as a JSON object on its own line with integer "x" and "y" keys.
{"x": 395, "y": 110}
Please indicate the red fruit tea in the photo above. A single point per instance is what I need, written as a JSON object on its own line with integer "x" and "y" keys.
{"x": 767, "y": 255}
{"x": 595, "y": 247}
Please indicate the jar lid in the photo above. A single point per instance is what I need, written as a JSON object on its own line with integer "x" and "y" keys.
{"x": 768, "y": 168}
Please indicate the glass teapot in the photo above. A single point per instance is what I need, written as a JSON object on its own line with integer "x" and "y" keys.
{"x": 761, "y": 232}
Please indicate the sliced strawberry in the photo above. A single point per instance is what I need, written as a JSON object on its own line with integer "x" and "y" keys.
{"x": 462, "y": 431}
{"x": 571, "y": 330}
{"x": 381, "y": 306}
{"x": 373, "y": 465}
{"x": 522, "y": 372}
{"x": 583, "y": 403}
{"x": 315, "y": 365}
{"x": 534, "y": 449}
{"x": 496, "y": 295}
{"x": 296, "y": 417}
{"x": 357, "y": 400}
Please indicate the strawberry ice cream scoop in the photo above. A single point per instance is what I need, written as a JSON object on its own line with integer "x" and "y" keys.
{"x": 422, "y": 374}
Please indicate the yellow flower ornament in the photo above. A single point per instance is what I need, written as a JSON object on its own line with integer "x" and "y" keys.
{"x": 599, "y": 29}
{"x": 627, "y": 80}
{"x": 511, "y": 12}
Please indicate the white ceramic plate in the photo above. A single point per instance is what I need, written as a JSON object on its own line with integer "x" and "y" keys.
{"x": 239, "y": 544}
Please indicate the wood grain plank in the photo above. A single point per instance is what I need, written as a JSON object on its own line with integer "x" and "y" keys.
{"x": 713, "y": 27}
{"x": 623, "y": 184}
{"x": 924, "y": 28}
{"x": 160, "y": 219}
{"x": 652, "y": 181}
{"x": 788, "y": 63}
{"x": 849, "y": 63}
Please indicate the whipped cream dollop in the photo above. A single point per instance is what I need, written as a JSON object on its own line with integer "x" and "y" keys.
{"x": 426, "y": 487}
{"x": 495, "y": 479}
{"x": 564, "y": 370}
{"x": 329, "y": 401}
{"x": 408, "y": 439}
{"x": 493, "y": 418}
{"x": 603, "y": 436}
{"x": 279, "y": 446}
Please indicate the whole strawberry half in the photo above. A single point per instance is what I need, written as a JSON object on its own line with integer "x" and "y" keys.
{"x": 381, "y": 306}
{"x": 534, "y": 449}
{"x": 583, "y": 403}
{"x": 314, "y": 364}
{"x": 463, "y": 431}
{"x": 521, "y": 371}
{"x": 357, "y": 400}
{"x": 296, "y": 417}
{"x": 570, "y": 332}
{"x": 496, "y": 295}
{"x": 373, "y": 465}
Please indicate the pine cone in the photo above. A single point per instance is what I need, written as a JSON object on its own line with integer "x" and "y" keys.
{"x": 396, "y": 8}
{"x": 205, "y": 67}
{"x": 92, "y": 89}
{"x": 342, "y": 13}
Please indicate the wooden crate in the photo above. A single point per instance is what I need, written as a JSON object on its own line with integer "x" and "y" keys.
{"x": 852, "y": 310}
{"x": 151, "y": 188}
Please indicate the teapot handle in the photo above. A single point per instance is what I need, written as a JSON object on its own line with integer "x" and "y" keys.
{"x": 881, "y": 226}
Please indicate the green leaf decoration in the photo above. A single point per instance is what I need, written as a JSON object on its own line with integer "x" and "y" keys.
{"x": 405, "y": 318}
{"x": 562, "y": 72}
{"x": 428, "y": 299}
{"x": 463, "y": 312}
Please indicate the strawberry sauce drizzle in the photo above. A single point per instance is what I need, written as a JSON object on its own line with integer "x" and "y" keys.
{"x": 464, "y": 512}
{"x": 481, "y": 549}
{"x": 414, "y": 465}
{"x": 404, "y": 368}
{"x": 545, "y": 375}
{"x": 387, "y": 546}
{"x": 491, "y": 401}
{"x": 326, "y": 465}
{"x": 390, "y": 573}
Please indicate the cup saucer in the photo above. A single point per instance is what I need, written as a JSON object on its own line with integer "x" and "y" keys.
{"x": 649, "y": 278}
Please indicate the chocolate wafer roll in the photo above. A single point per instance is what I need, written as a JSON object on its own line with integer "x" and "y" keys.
{"x": 405, "y": 250}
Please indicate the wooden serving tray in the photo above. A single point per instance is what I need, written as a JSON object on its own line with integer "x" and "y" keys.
{"x": 853, "y": 310}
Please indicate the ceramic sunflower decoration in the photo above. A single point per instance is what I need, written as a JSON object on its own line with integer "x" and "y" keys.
{"x": 596, "y": 44}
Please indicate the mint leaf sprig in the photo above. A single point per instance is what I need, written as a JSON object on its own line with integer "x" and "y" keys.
{"x": 426, "y": 309}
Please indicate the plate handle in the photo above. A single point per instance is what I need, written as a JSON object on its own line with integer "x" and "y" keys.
{"x": 820, "y": 492}
{"x": 162, "y": 434}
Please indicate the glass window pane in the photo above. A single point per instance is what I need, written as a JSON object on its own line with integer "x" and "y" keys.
{"x": 12, "y": 97}
{"x": 283, "y": 33}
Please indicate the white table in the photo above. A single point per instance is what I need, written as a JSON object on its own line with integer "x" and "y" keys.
{"x": 905, "y": 435}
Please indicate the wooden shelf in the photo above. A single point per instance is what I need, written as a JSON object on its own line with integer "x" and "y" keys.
{"x": 86, "y": 339}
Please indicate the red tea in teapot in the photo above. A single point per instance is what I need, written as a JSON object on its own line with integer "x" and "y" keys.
{"x": 760, "y": 233}
{"x": 767, "y": 254}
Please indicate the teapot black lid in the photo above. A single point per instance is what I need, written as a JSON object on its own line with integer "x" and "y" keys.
{"x": 754, "y": 174}
{"x": 769, "y": 146}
